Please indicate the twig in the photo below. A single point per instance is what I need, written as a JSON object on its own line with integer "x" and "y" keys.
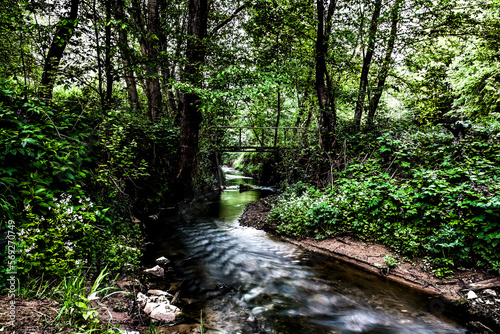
{"x": 394, "y": 172}
{"x": 392, "y": 162}
{"x": 135, "y": 185}
{"x": 57, "y": 130}
{"x": 118, "y": 187}
{"x": 483, "y": 326}
{"x": 79, "y": 116}
{"x": 43, "y": 314}
{"x": 175, "y": 297}
{"x": 345, "y": 154}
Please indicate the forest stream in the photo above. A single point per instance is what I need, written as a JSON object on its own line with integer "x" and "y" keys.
{"x": 246, "y": 281}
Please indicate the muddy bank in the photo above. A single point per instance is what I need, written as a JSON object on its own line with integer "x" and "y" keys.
{"x": 470, "y": 293}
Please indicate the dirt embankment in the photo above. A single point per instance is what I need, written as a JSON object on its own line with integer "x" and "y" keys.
{"x": 473, "y": 292}
{"x": 40, "y": 316}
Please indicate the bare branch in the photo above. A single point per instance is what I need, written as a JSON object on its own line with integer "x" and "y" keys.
{"x": 226, "y": 21}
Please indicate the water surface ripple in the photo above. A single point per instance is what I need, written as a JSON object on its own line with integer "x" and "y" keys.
{"x": 249, "y": 282}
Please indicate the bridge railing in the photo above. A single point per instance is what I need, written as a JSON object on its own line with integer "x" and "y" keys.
{"x": 257, "y": 139}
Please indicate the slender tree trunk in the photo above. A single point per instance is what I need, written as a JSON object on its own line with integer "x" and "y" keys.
{"x": 65, "y": 30}
{"x": 302, "y": 102}
{"x": 277, "y": 119}
{"x": 97, "y": 38}
{"x": 386, "y": 63}
{"x": 133, "y": 96}
{"x": 108, "y": 67}
{"x": 168, "y": 67}
{"x": 325, "y": 97}
{"x": 191, "y": 113}
{"x": 148, "y": 40}
{"x": 363, "y": 82}
{"x": 153, "y": 89}
{"x": 169, "y": 72}
{"x": 172, "y": 109}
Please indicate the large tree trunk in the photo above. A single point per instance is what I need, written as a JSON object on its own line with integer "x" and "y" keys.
{"x": 324, "y": 90}
{"x": 191, "y": 114}
{"x": 363, "y": 82}
{"x": 384, "y": 71}
{"x": 65, "y": 30}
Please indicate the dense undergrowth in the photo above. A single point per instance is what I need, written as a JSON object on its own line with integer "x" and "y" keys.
{"x": 73, "y": 180}
{"x": 420, "y": 191}
{"x": 72, "y": 176}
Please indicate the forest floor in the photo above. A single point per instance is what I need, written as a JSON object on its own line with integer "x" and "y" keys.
{"x": 472, "y": 293}
{"x": 40, "y": 316}
{"x": 121, "y": 310}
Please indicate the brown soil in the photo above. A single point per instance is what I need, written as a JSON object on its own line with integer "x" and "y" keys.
{"x": 483, "y": 311}
{"x": 39, "y": 316}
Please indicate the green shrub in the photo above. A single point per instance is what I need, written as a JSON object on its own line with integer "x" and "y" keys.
{"x": 70, "y": 239}
{"x": 47, "y": 177}
{"x": 420, "y": 191}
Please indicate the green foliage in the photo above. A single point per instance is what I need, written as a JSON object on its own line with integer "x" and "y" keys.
{"x": 50, "y": 188}
{"x": 120, "y": 151}
{"x": 427, "y": 73}
{"x": 302, "y": 211}
{"x": 79, "y": 296}
{"x": 79, "y": 303}
{"x": 41, "y": 156}
{"x": 421, "y": 192}
{"x": 70, "y": 239}
{"x": 390, "y": 262}
{"x": 154, "y": 328}
{"x": 35, "y": 288}
{"x": 475, "y": 80}
{"x": 292, "y": 215}
{"x": 39, "y": 159}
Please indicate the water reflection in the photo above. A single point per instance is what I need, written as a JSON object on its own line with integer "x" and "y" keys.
{"x": 249, "y": 282}
{"x": 233, "y": 201}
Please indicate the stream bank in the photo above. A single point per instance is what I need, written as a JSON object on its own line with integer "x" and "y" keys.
{"x": 471, "y": 293}
{"x": 247, "y": 281}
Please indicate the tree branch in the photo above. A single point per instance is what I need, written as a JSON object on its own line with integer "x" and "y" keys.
{"x": 226, "y": 21}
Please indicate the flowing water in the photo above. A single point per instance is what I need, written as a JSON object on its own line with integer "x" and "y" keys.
{"x": 246, "y": 281}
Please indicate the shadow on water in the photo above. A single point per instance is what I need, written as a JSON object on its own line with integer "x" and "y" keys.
{"x": 249, "y": 282}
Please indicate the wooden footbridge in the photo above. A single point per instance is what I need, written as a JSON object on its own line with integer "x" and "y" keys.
{"x": 255, "y": 138}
